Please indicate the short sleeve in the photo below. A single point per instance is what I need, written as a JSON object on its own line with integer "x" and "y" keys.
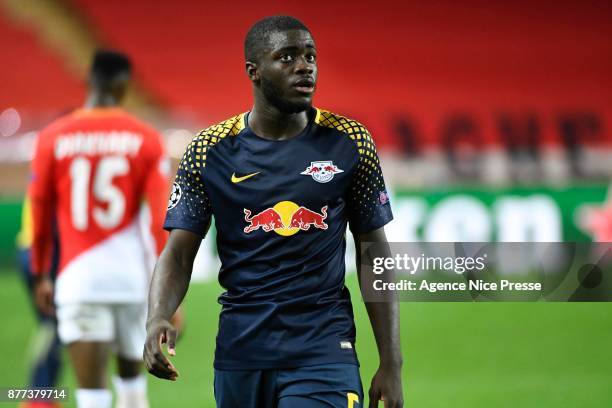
{"x": 156, "y": 187}
{"x": 43, "y": 200}
{"x": 41, "y": 177}
{"x": 368, "y": 201}
{"x": 189, "y": 207}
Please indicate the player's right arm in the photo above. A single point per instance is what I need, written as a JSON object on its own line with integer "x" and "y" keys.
{"x": 168, "y": 288}
{"x": 188, "y": 218}
{"x": 42, "y": 195}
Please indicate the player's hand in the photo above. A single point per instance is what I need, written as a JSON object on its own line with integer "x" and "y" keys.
{"x": 160, "y": 331}
{"x": 43, "y": 295}
{"x": 387, "y": 387}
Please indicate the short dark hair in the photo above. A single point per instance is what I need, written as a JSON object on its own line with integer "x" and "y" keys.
{"x": 258, "y": 34}
{"x": 108, "y": 65}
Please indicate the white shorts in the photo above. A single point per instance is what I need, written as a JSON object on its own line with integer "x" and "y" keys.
{"x": 122, "y": 324}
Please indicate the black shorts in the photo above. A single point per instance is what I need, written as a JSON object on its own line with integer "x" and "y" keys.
{"x": 327, "y": 385}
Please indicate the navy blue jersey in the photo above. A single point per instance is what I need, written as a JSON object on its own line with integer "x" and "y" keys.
{"x": 281, "y": 209}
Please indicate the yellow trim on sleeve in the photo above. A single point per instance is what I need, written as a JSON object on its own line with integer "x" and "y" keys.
{"x": 25, "y": 235}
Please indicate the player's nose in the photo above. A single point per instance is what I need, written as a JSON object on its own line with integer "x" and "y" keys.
{"x": 302, "y": 66}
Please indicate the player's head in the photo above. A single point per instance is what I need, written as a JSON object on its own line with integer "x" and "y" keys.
{"x": 110, "y": 73}
{"x": 281, "y": 62}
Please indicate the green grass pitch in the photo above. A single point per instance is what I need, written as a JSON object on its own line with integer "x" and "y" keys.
{"x": 455, "y": 354}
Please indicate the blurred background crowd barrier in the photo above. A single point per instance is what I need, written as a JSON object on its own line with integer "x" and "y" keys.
{"x": 492, "y": 119}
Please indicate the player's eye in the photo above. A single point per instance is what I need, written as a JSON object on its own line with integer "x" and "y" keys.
{"x": 286, "y": 58}
{"x": 311, "y": 58}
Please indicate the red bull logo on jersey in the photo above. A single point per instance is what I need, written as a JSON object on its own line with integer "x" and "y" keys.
{"x": 285, "y": 218}
{"x": 268, "y": 220}
{"x": 322, "y": 171}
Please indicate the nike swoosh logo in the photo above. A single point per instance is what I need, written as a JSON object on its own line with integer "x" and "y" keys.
{"x": 239, "y": 179}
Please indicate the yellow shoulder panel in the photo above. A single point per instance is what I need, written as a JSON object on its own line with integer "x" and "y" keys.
{"x": 355, "y": 130}
{"x": 211, "y": 136}
{"x": 368, "y": 157}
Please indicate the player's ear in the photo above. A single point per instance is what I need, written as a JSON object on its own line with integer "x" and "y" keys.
{"x": 252, "y": 71}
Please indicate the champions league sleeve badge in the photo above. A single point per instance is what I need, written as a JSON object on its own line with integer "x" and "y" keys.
{"x": 322, "y": 171}
{"x": 175, "y": 196}
{"x": 383, "y": 197}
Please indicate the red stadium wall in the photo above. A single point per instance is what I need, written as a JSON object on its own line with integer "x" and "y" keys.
{"x": 416, "y": 73}
{"x": 32, "y": 77}
{"x": 475, "y": 73}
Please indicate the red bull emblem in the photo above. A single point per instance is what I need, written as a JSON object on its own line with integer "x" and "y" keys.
{"x": 303, "y": 218}
{"x": 268, "y": 220}
{"x": 322, "y": 171}
{"x": 285, "y": 218}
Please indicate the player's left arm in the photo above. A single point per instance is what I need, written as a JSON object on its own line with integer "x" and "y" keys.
{"x": 384, "y": 317}
{"x": 369, "y": 210}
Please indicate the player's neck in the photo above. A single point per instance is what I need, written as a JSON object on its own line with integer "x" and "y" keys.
{"x": 270, "y": 123}
{"x": 98, "y": 100}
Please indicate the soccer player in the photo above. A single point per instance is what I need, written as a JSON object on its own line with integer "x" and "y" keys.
{"x": 282, "y": 182}
{"x": 91, "y": 170}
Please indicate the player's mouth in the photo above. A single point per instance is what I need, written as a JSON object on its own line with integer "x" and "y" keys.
{"x": 306, "y": 86}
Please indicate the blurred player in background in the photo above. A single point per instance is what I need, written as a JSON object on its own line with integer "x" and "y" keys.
{"x": 92, "y": 169}
{"x": 46, "y": 354}
{"x": 282, "y": 181}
